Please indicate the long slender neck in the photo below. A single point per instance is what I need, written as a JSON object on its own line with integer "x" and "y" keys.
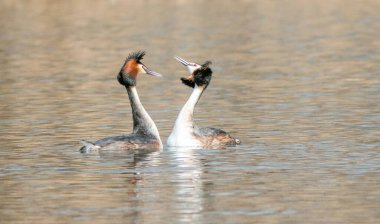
{"x": 185, "y": 117}
{"x": 142, "y": 122}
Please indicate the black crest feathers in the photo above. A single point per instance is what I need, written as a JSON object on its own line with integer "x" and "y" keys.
{"x": 206, "y": 64}
{"x": 201, "y": 76}
{"x": 188, "y": 82}
{"x": 138, "y": 55}
{"x": 123, "y": 77}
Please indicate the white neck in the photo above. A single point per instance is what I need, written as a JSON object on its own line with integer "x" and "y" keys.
{"x": 184, "y": 125}
{"x": 185, "y": 117}
{"x": 142, "y": 122}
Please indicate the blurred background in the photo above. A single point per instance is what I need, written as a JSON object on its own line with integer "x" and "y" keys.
{"x": 297, "y": 81}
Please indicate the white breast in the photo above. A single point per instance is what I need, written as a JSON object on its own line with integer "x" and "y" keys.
{"x": 183, "y": 138}
{"x": 183, "y": 130}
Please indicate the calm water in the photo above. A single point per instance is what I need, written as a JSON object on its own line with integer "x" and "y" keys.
{"x": 297, "y": 81}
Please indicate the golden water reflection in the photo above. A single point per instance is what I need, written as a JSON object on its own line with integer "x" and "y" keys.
{"x": 297, "y": 81}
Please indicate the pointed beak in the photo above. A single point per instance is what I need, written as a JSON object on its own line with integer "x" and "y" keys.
{"x": 183, "y": 61}
{"x": 190, "y": 65}
{"x": 150, "y": 72}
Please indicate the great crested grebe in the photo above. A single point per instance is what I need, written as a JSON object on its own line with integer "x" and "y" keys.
{"x": 185, "y": 133}
{"x": 145, "y": 133}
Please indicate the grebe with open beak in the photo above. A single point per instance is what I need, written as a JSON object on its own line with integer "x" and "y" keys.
{"x": 145, "y": 133}
{"x": 185, "y": 133}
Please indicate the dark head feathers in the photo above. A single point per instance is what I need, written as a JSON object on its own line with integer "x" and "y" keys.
{"x": 138, "y": 55}
{"x": 123, "y": 77}
{"x": 188, "y": 82}
{"x": 201, "y": 76}
{"x": 206, "y": 64}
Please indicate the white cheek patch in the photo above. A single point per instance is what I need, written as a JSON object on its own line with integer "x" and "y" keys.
{"x": 141, "y": 70}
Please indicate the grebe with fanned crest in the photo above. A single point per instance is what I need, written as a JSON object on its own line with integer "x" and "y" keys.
{"x": 185, "y": 133}
{"x": 145, "y": 133}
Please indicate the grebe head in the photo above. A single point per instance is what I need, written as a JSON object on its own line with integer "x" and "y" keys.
{"x": 200, "y": 74}
{"x": 133, "y": 66}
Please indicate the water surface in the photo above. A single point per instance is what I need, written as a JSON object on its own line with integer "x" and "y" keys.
{"x": 297, "y": 81}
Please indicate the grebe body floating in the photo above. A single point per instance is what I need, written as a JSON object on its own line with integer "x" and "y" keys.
{"x": 145, "y": 134}
{"x": 185, "y": 133}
